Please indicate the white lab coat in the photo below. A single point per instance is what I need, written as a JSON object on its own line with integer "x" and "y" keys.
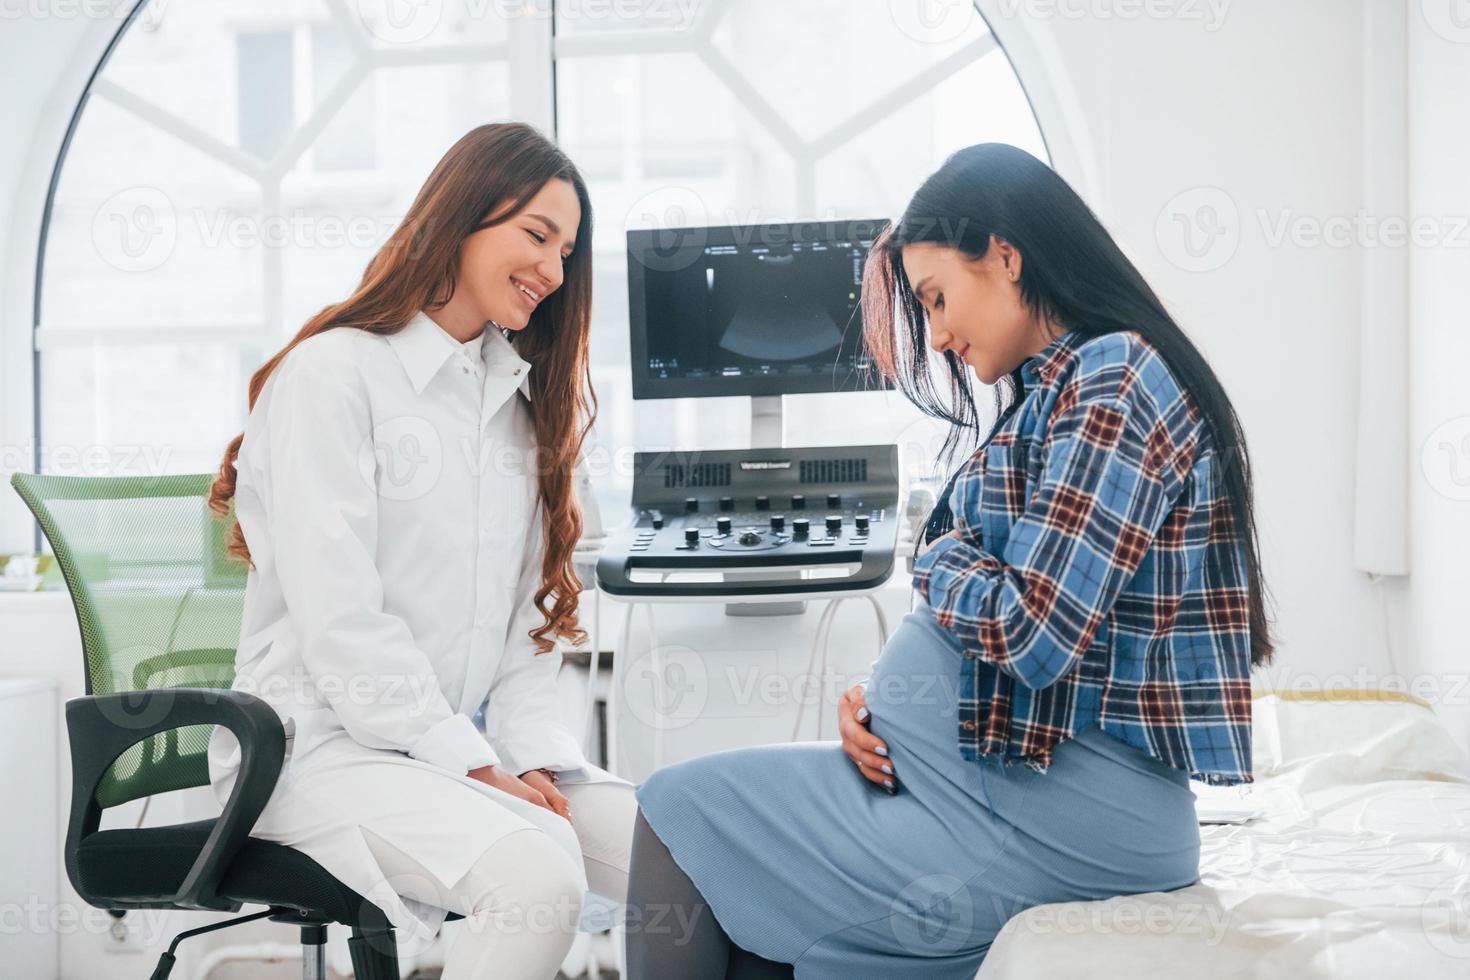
{"x": 386, "y": 487}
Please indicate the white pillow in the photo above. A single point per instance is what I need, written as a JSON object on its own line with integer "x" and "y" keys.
{"x": 1352, "y": 737}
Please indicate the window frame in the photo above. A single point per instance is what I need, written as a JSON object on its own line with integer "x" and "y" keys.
{"x": 530, "y": 54}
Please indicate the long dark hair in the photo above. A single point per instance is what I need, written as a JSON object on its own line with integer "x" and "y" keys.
{"x": 1074, "y": 275}
{"x": 417, "y": 268}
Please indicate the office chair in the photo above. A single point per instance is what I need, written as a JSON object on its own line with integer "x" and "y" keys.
{"x": 159, "y": 605}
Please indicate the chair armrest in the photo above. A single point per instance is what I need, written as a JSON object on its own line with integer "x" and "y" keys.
{"x": 101, "y": 727}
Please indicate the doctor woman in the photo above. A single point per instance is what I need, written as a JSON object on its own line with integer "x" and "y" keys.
{"x": 404, "y": 495}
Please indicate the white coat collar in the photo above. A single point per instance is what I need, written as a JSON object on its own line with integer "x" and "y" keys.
{"x": 500, "y": 358}
{"x": 423, "y": 346}
{"x": 472, "y": 348}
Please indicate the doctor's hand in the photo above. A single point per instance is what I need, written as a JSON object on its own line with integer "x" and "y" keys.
{"x": 506, "y": 783}
{"x": 861, "y": 745}
{"x": 543, "y": 784}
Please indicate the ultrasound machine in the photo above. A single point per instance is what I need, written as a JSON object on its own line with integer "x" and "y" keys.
{"x": 762, "y": 311}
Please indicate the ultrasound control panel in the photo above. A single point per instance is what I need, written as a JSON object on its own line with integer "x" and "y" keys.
{"x": 781, "y": 521}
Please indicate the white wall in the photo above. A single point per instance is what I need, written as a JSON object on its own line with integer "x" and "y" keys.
{"x": 1263, "y": 106}
{"x": 1439, "y": 297}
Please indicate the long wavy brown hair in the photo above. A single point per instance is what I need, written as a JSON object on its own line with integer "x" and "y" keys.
{"x": 416, "y": 269}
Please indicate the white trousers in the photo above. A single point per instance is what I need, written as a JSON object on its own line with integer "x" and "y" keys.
{"x": 521, "y": 900}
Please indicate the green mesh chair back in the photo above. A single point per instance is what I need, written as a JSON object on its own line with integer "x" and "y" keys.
{"x": 157, "y": 599}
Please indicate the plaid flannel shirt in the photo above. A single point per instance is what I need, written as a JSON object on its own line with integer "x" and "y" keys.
{"x": 1095, "y": 574}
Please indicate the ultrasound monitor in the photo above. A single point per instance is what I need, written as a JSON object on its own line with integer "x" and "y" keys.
{"x": 755, "y": 310}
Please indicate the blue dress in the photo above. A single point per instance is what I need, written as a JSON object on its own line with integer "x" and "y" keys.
{"x": 803, "y": 861}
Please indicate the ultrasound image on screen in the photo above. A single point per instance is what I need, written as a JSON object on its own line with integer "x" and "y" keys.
{"x": 758, "y": 311}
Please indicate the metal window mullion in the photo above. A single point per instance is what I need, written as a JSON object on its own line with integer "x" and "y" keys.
{"x": 455, "y": 54}
{"x": 751, "y": 99}
{"x": 902, "y": 95}
{"x": 805, "y": 164}
{"x": 633, "y": 124}
{"x": 531, "y": 69}
{"x": 303, "y": 62}
{"x": 624, "y": 42}
{"x": 305, "y": 134}
{"x": 272, "y": 271}
{"x": 57, "y": 338}
{"x": 707, "y": 17}
{"x": 185, "y": 132}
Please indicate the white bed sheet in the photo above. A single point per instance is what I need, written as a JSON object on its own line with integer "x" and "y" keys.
{"x": 1358, "y": 866}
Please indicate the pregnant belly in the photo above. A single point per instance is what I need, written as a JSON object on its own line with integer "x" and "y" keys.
{"x": 913, "y": 692}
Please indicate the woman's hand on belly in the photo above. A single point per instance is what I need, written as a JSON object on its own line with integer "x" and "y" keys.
{"x": 952, "y": 534}
{"x": 506, "y": 783}
{"x": 862, "y": 746}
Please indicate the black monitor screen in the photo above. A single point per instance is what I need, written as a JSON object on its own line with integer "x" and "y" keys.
{"x": 749, "y": 310}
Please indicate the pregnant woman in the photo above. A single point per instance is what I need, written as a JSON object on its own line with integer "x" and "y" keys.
{"x": 1087, "y": 613}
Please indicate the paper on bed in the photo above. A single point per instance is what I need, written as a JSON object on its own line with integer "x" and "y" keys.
{"x": 1225, "y": 804}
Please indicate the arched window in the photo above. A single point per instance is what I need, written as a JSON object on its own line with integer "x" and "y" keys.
{"x": 236, "y": 165}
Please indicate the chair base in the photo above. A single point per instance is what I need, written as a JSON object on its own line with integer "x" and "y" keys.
{"x": 314, "y": 952}
{"x": 374, "y": 954}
